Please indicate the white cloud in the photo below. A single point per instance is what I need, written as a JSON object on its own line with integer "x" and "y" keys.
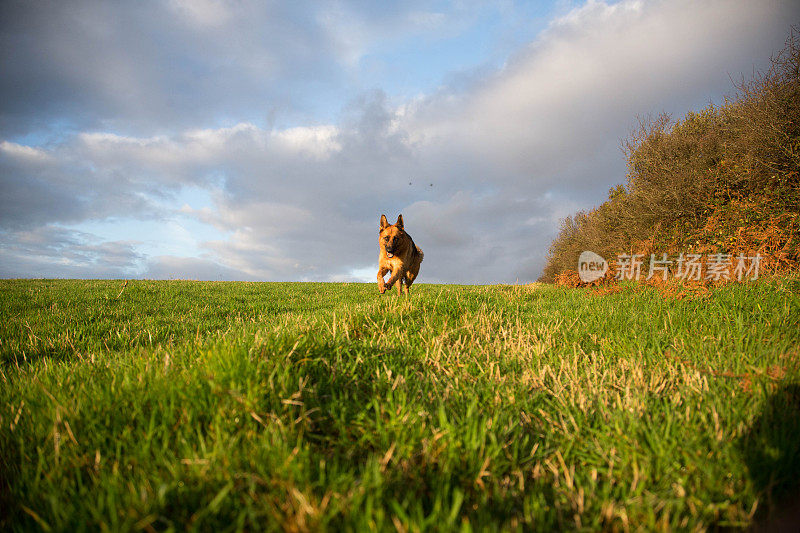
{"x": 204, "y": 13}
{"x": 318, "y": 142}
{"x": 171, "y": 267}
{"x": 27, "y": 154}
{"x": 53, "y": 251}
{"x": 578, "y": 87}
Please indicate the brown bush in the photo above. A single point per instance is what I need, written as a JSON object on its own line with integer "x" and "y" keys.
{"x": 571, "y": 278}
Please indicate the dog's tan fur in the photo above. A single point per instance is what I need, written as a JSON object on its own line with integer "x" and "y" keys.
{"x": 398, "y": 255}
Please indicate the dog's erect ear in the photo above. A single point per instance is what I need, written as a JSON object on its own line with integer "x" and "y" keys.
{"x": 399, "y": 223}
{"x": 384, "y": 222}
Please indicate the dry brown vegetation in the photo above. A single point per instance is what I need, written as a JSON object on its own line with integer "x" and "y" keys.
{"x": 723, "y": 180}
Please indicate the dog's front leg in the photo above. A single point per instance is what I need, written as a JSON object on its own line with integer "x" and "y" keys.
{"x": 395, "y": 277}
{"x": 381, "y": 285}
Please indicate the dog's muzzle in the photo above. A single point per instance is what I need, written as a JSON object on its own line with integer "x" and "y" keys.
{"x": 389, "y": 252}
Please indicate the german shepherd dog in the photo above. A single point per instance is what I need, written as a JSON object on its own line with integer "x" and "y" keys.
{"x": 398, "y": 255}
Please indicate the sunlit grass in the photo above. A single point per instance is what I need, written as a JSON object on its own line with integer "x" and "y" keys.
{"x": 281, "y": 406}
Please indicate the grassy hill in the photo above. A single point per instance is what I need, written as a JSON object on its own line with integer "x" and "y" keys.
{"x": 290, "y": 406}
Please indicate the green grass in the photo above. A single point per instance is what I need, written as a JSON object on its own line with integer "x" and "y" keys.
{"x": 280, "y": 406}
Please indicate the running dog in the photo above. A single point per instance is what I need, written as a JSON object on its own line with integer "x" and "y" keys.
{"x": 398, "y": 255}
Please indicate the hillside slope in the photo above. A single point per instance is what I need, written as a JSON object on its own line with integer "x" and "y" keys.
{"x": 723, "y": 180}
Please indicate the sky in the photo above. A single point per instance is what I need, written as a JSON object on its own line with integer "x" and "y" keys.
{"x": 261, "y": 141}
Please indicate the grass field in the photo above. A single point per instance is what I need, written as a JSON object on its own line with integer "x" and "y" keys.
{"x": 168, "y": 405}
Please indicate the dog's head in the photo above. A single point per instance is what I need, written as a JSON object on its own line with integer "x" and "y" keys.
{"x": 390, "y": 235}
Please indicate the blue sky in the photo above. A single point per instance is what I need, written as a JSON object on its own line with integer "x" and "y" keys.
{"x": 262, "y": 141}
